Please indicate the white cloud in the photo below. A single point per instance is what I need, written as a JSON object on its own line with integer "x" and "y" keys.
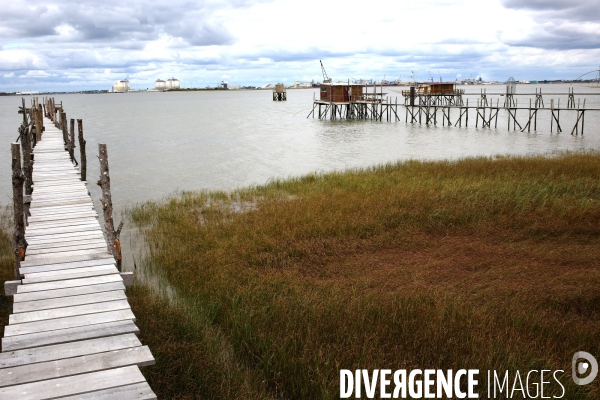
{"x": 36, "y": 74}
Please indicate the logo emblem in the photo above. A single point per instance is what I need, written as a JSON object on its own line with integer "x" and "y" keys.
{"x": 584, "y": 364}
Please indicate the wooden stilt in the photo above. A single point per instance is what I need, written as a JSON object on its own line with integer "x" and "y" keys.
{"x": 18, "y": 178}
{"x": 112, "y": 236}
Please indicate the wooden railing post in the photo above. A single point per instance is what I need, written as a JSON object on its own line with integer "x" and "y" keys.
{"x": 112, "y": 236}
{"x": 39, "y": 123}
{"x": 72, "y": 141}
{"x": 63, "y": 125}
{"x": 19, "y": 226}
{"x": 25, "y": 138}
{"x": 82, "y": 150}
{"x": 27, "y": 163}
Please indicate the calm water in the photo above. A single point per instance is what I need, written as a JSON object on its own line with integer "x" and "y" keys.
{"x": 159, "y": 143}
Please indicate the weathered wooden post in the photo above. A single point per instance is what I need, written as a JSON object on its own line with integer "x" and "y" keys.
{"x": 82, "y": 150}
{"x": 25, "y": 139}
{"x": 27, "y": 164}
{"x": 112, "y": 236}
{"x": 72, "y": 141}
{"x": 63, "y": 125}
{"x": 56, "y": 111}
{"x": 39, "y": 123}
{"x": 19, "y": 226}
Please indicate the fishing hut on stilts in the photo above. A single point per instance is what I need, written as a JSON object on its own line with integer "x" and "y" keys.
{"x": 352, "y": 101}
{"x": 279, "y": 92}
{"x": 433, "y": 94}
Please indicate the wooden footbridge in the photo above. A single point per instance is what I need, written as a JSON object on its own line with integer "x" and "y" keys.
{"x": 72, "y": 333}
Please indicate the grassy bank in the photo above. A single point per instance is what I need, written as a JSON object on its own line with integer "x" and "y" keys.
{"x": 479, "y": 263}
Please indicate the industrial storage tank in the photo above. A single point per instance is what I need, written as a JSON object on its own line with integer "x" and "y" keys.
{"x": 121, "y": 86}
{"x": 173, "y": 83}
{"x": 160, "y": 84}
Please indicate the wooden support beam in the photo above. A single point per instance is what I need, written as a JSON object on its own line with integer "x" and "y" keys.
{"x": 112, "y": 235}
{"x": 19, "y": 221}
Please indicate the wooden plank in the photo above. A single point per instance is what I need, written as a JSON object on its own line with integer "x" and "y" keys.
{"x": 61, "y": 203}
{"x": 74, "y": 385}
{"x": 64, "y": 229}
{"x": 65, "y": 239}
{"x": 63, "y": 254}
{"x": 40, "y": 212}
{"x": 67, "y": 350}
{"x": 32, "y": 263}
{"x": 65, "y": 312}
{"x": 66, "y": 272}
{"x": 81, "y": 273}
{"x": 71, "y": 188}
{"x": 98, "y": 244}
{"x": 56, "y": 165}
{"x": 71, "y": 214}
{"x": 21, "y": 374}
{"x": 61, "y": 216}
{"x": 67, "y": 322}
{"x": 109, "y": 260}
{"x": 57, "y": 182}
{"x": 139, "y": 391}
{"x": 59, "y": 176}
{"x": 63, "y": 236}
{"x": 59, "y": 207}
{"x": 70, "y": 177}
{"x": 49, "y": 250}
{"x": 60, "y": 197}
{"x": 40, "y": 227}
{"x": 62, "y": 209}
{"x": 65, "y": 243}
{"x": 68, "y": 335}
{"x": 50, "y": 174}
{"x": 27, "y": 306}
{"x": 67, "y": 292}
{"x": 56, "y": 172}
{"x": 60, "y": 187}
{"x": 37, "y": 287}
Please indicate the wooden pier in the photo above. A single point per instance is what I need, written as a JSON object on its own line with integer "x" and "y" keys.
{"x": 432, "y": 105}
{"x": 72, "y": 333}
{"x": 487, "y": 113}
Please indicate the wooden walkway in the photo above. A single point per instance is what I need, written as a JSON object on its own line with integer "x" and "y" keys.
{"x": 72, "y": 333}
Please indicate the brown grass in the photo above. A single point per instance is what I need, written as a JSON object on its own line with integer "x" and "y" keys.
{"x": 480, "y": 263}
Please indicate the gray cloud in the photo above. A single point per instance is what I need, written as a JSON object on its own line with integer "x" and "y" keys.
{"x": 112, "y": 21}
{"x": 560, "y": 24}
{"x": 537, "y": 4}
{"x": 559, "y": 38}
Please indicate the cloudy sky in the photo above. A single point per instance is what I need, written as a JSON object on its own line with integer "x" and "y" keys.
{"x": 84, "y": 44}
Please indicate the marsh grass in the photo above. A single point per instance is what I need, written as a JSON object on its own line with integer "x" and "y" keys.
{"x": 488, "y": 263}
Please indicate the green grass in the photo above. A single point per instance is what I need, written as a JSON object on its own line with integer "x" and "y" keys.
{"x": 478, "y": 263}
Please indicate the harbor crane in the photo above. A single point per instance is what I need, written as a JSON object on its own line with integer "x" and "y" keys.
{"x": 326, "y": 79}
